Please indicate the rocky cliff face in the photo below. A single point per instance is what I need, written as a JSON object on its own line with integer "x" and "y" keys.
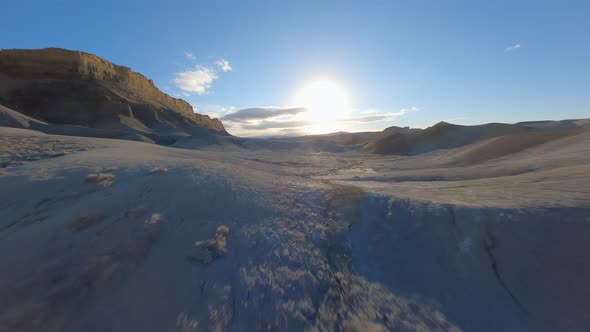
{"x": 73, "y": 87}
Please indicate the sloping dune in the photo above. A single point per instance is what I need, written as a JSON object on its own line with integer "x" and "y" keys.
{"x": 505, "y": 145}
{"x": 557, "y": 125}
{"x": 13, "y": 119}
{"x": 440, "y": 136}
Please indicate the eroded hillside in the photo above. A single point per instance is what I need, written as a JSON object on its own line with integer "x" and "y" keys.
{"x": 71, "y": 87}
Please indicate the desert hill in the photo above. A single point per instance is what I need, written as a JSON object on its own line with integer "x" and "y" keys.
{"x": 443, "y": 135}
{"x": 358, "y": 138}
{"x": 556, "y": 125}
{"x": 489, "y": 141}
{"x": 466, "y": 144}
{"x": 75, "y": 88}
{"x": 13, "y": 119}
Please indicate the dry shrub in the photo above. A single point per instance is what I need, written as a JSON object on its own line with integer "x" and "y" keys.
{"x": 155, "y": 219}
{"x": 223, "y": 230}
{"x": 185, "y": 323}
{"x": 212, "y": 248}
{"x": 102, "y": 179}
{"x": 159, "y": 170}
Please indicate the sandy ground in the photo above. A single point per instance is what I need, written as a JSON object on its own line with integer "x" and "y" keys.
{"x": 110, "y": 235}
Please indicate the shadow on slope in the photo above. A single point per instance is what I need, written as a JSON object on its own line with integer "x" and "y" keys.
{"x": 13, "y": 119}
{"x": 505, "y": 145}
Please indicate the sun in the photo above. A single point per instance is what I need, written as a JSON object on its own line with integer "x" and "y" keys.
{"x": 325, "y": 101}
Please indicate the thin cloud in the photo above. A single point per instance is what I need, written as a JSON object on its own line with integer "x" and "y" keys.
{"x": 369, "y": 111}
{"x": 213, "y": 110}
{"x": 198, "y": 80}
{"x": 270, "y": 124}
{"x": 291, "y": 131}
{"x": 189, "y": 55}
{"x": 223, "y": 65}
{"x": 261, "y": 113}
{"x": 282, "y": 121}
{"x": 371, "y": 118}
{"x": 379, "y": 117}
{"x": 512, "y": 47}
{"x": 407, "y": 110}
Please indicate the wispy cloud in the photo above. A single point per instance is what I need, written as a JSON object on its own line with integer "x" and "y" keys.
{"x": 271, "y": 124}
{"x": 214, "y": 111}
{"x": 197, "y": 80}
{"x": 189, "y": 55}
{"x": 281, "y": 121}
{"x": 264, "y": 121}
{"x": 376, "y": 116}
{"x": 261, "y": 113}
{"x": 369, "y": 111}
{"x": 223, "y": 65}
{"x": 370, "y": 118}
{"x": 512, "y": 47}
{"x": 407, "y": 110}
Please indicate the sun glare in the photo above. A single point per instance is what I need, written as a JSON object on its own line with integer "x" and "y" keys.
{"x": 326, "y": 101}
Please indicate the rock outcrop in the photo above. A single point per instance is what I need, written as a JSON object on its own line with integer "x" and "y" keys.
{"x": 72, "y": 87}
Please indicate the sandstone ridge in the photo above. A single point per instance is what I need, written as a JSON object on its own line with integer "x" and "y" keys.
{"x": 73, "y": 87}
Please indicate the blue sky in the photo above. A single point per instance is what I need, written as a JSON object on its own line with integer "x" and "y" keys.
{"x": 406, "y": 63}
